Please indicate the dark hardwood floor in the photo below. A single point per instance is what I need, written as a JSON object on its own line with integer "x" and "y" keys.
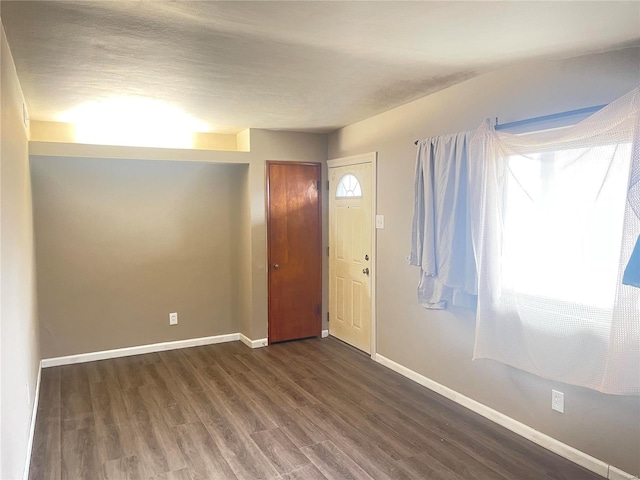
{"x": 313, "y": 409}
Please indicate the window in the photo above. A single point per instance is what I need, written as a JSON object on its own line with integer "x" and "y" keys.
{"x": 563, "y": 223}
{"x": 348, "y": 186}
{"x": 555, "y": 217}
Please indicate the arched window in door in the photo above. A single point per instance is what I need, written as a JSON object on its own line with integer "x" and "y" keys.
{"x": 348, "y": 186}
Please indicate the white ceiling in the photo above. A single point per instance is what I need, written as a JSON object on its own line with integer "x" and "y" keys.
{"x": 311, "y": 66}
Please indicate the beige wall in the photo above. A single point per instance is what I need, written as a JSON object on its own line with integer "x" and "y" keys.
{"x": 18, "y": 317}
{"x": 40, "y": 131}
{"x": 119, "y": 228}
{"x": 439, "y": 344}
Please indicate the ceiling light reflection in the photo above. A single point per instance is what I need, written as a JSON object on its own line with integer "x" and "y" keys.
{"x": 133, "y": 121}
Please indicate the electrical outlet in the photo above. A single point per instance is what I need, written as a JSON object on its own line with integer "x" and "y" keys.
{"x": 557, "y": 401}
{"x": 173, "y": 318}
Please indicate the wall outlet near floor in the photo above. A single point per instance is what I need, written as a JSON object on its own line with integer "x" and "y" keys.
{"x": 557, "y": 401}
{"x": 173, "y": 318}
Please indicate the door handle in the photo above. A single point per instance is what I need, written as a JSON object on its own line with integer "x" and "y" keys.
{"x": 366, "y": 271}
{"x": 276, "y": 266}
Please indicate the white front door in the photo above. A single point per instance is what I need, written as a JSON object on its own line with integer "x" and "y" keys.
{"x": 350, "y": 253}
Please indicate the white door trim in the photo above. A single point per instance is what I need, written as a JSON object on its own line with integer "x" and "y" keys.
{"x": 371, "y": 158}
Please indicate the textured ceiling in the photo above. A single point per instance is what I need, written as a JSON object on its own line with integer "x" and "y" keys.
{"x": 311, "y": 66}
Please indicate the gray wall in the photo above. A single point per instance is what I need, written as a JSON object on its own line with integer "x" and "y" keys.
{"x": 19, "y": 348}
{"x": 121, "y": 243}
{"x": 439, "y": 344}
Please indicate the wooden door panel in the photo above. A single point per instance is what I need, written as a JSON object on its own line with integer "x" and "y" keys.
{"x": 294, "y": 250}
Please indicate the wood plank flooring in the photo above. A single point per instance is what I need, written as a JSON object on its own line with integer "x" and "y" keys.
{"x": 313, "y": 409}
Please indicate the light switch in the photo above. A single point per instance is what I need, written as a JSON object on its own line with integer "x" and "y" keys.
{"x": 379, "y": 221}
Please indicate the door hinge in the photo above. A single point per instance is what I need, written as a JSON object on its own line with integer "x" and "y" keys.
{"x": 327, "y": 251}
{"x": 327, "y": 317}
{"x": 327, "y": 184}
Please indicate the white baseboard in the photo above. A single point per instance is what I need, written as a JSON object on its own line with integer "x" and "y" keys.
{"x": 125, "y": 352}
{"x": 587, "y": 461}
{"x": 32, "y": 428}
{"x": 617, "y": 474}
{"x": 261, "y": 342}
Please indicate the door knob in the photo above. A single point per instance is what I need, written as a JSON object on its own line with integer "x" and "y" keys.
{"x": 276, "y": 266}
{"x": 365, "y": 271}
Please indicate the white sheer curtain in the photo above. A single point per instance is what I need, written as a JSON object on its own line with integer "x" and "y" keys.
{"x": 441, "y": 236}
{"x": 553, "y": 230}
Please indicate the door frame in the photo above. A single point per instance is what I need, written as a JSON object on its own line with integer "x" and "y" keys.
{"x": 268, "y": 220}
{"x": 371, "y": 158}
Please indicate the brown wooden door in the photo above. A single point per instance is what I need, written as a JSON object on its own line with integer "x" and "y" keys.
{"x": 294, "y": 250}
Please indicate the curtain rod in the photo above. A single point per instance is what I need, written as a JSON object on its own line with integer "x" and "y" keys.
{"x": 545, "y": 118}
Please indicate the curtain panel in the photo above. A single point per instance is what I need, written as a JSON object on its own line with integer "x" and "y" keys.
{"x": 555, "y": 218}
{"x": 441, "y": 234}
